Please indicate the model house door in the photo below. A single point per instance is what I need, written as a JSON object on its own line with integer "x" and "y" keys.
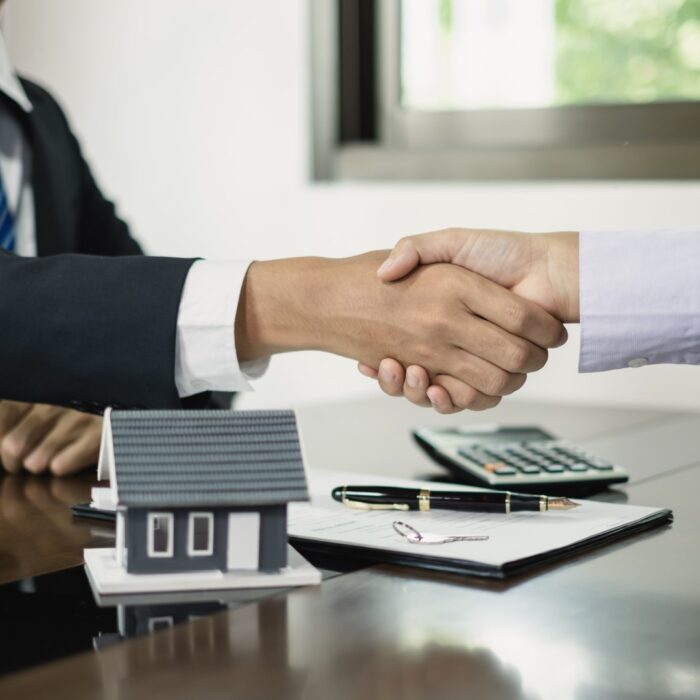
{"x": 243, "y": 540}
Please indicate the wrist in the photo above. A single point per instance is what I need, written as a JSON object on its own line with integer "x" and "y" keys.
{"x": 562, "y": 255}
{"x": 273, "y": 310}
{"x": 308, "y": 304}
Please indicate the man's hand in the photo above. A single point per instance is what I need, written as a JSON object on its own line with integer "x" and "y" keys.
{"x": 542, "y": 268}
{"x": 475, "y": 338}
{"x": 40, "y": 438}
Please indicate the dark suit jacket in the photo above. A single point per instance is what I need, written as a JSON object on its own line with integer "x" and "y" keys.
{"x": 79, "y": 330}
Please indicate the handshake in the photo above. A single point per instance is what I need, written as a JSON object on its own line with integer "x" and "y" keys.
{"x": 538, "y": 277}
{"x": 455, "y": 319}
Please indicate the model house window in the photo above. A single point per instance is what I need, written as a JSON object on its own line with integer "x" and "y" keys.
{"x": 159, "y": 623}
{"x": 160, "y": 534}
{"x": 200, "y": 534}
{"x": 505, "y": 89}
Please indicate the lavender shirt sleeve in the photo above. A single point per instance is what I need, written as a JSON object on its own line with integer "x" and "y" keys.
{"x": 640, "y": 299}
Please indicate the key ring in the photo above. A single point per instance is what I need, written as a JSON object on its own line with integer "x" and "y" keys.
{"x": 408, "y": 532}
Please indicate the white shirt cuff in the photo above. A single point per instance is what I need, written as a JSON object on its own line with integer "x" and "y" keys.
{"x": 640, "y": 299}
{"x": 205, "y": 346}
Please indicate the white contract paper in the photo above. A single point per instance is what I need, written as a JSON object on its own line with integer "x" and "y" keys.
{"x": 512, "y": 537}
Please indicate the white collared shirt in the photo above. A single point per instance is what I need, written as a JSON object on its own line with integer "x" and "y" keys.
{"x": 640, "y": 299}
{"x": 205, "y": 348}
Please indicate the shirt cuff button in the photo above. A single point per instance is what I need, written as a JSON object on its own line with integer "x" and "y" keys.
{"x": 638, "y": 362}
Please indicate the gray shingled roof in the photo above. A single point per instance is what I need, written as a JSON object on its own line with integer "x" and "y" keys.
{"x": 207, "y": 458}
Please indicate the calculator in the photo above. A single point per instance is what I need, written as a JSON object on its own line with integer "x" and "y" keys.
{"x": 517, "y": 458}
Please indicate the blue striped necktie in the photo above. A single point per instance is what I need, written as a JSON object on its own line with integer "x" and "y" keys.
{"x": 7, "y": 224}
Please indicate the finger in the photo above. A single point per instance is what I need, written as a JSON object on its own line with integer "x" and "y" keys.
{"x": 11, "y": 464}
{"x": 77, "y": 456}
{"x": 409, "y": 252}
{"x": 367, "y": 370}
{"x": 11, "y": 413}
{"x": 416, "y": 385}
{"x": 488, "y": 341}
{"x": 564, "y": 337}
{"x": 391, "y": 377}
{"x": 485, "y": 376}
{"x": 515, "y": 314}
{"x": 440, "y": 400}
{"x": 463, "y": 395}
{"x": 27, "y": 434}
{"x": 68, "y": 429}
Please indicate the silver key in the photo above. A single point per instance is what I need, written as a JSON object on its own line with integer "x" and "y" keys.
{"x": 408, "y": 532}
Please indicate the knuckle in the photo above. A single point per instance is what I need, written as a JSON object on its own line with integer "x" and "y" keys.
{"x": 36, "y": 466}
{"x": 468, "y": 398}
{"x": 60, "y": 467}
{"x": 390, "y": 386}
{"x": 403, "y": 243}
{"x": 519, "y": 356}
{"x": 438, "y": 325}
{"x": 539, "y": 359}
{"x": 497, "y": 383}
{"x": 11, "y": 448}
{"x": 551, "y": 334}
{"x": 424, "y": 354}
{"x": 518, "y": 315}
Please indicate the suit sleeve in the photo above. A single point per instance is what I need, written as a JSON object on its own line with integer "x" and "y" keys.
{"x": 90, "y": 332}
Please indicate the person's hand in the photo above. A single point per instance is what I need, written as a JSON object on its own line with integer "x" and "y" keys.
{"x": 476, "y": 339}
{"x": 40, "y": 438}
{"x": 540, "y": 267}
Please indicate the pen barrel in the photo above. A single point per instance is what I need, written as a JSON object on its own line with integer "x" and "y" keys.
{"x": 476, "y": 501}
{"x": 526, "y": 501}
{"x": 486, "y": 502}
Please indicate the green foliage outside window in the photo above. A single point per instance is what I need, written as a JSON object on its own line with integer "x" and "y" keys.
{"x": 627, "y": 50}
{"x": 613, "y": 51}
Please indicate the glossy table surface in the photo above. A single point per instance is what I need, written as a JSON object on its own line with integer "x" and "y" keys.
{"x": 622, "y": 621}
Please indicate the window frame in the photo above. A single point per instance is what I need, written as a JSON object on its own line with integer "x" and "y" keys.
{"x": 191, "y": 551}
{"x": 626, "y": 141}
{"x": 170, "y": 550}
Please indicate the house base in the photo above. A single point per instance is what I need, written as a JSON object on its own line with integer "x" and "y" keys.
{"x": 107, "y": 577}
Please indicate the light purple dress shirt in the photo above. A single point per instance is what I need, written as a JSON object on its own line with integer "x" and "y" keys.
{"x": 640, "y": 299}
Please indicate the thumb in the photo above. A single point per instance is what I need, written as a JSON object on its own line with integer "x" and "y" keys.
{"x": 400, "y": 262}
{"x": 423, "y": 249}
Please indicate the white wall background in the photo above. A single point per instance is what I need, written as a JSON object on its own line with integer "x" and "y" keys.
{"x": 195, "y": 117}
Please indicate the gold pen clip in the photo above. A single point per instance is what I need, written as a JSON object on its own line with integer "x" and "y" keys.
{"x": 359, "y": 505}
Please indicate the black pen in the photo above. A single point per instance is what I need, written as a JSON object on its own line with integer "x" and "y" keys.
{"x": 397, "y": 498}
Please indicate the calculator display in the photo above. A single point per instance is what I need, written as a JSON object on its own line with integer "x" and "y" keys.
{"x": 503, "y": 436}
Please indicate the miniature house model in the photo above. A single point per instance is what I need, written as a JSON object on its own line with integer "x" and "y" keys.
{"x": 201, "y": 500}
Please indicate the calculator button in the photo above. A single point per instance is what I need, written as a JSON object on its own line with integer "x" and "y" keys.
{"x": 597, "y": 462}
{"x": 602, "y": 466}
{"x": 493, "y": 466}
{"x": 504, "y": 470}
{"x": 578, "y": 467}
{"x": 530, "y": 469}
{"x": 473, "y": 456}
{"x": 553, "y": 468}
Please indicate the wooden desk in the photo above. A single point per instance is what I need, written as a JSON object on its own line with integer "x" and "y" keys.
{"x": 620, "y": 622}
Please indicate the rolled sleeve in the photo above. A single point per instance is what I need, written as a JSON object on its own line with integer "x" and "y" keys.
{"x": 205, "y": 348}
{"x": 640, "y": 299}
